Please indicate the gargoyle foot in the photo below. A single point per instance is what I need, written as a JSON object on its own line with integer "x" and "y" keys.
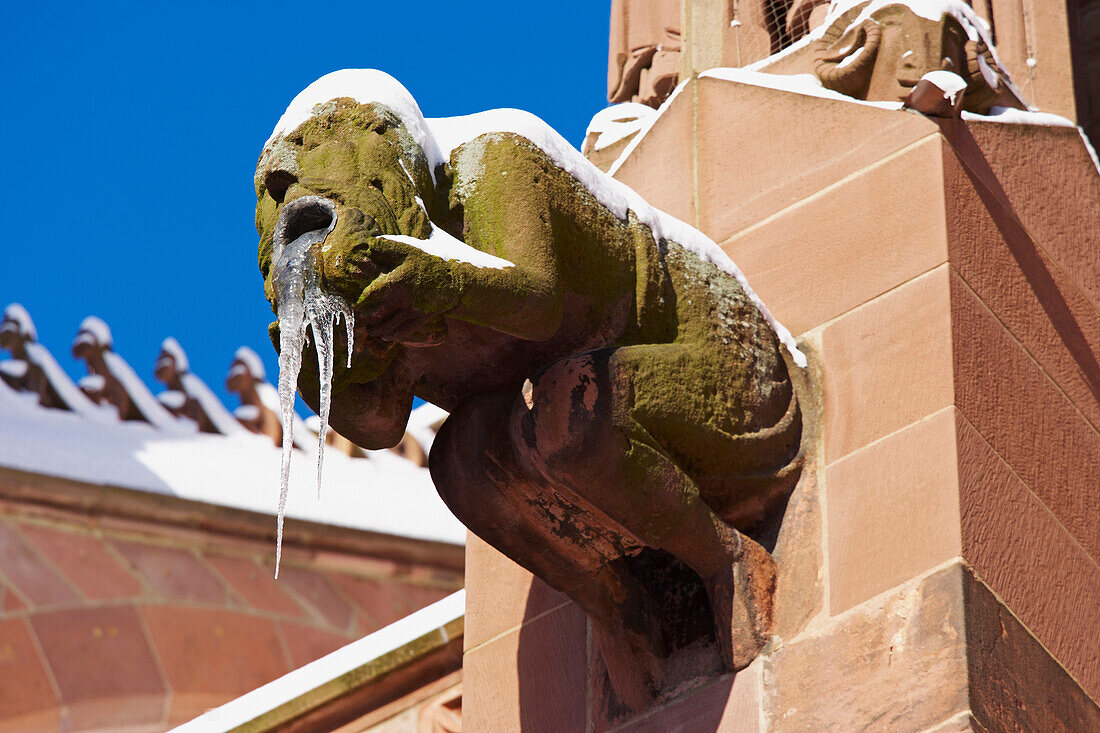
{"x": 633, "y": 665}
{"x": 627, "y": 633}
{"x": 741, "y": 598}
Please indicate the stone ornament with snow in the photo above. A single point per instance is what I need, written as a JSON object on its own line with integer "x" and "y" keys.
{"x": 938, "y": 94}
{"x": 880, "y": 50}
{"x": 622, "y": 404}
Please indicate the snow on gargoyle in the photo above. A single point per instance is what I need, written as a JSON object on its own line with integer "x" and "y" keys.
{"x": 620, "y": 399}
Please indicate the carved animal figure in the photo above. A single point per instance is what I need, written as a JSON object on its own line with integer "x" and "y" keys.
{"x": 612, "y": 393}
{"x": 880, "y": 51}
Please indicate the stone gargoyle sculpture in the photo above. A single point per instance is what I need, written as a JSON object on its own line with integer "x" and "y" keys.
{"x": 880, "y": 50}
{"x": 617, "y": 393}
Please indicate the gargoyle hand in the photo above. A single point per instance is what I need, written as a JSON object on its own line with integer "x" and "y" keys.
{"x": 406, "y": 302}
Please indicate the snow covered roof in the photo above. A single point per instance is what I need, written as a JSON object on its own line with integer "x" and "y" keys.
{"x": 382, "y": 492}
{"x": 323, "y": 680}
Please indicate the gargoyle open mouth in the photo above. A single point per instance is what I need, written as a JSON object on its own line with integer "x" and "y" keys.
{"x": 303, "y": 215}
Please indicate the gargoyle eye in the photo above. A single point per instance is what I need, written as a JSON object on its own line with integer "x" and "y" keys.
{"x": 277, "y": 182}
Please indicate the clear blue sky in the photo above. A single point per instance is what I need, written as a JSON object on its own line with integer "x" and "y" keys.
{"x": 131, "y": 133}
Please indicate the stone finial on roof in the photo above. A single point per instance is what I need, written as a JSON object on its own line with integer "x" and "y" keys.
{"x": 33, "y": 369}
{"x": 16, "y": 330}
{"x": 187, "y": 395}
{"x": 259, "y": 410}
{"x": 120, "y": 385}
{"x": 171, "y": 363}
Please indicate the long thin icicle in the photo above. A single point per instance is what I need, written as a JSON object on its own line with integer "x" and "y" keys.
{"x": 302, "y": 304}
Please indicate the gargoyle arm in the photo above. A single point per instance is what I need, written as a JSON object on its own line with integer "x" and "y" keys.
{"x": 506, "y": 213}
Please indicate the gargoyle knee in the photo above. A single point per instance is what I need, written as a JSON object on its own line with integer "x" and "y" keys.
{"x": 562, "y": 422}
{"x": 471, "y": 444}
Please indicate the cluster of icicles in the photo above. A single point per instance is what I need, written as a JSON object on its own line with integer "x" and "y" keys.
{"x": 301, "y": 304}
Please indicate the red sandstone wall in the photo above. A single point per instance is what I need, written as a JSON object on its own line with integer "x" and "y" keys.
{"x": 941, "y": 569}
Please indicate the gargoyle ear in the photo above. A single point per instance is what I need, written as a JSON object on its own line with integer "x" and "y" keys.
{"x": 984, "y": 77}
{"x": 844, "y": 57}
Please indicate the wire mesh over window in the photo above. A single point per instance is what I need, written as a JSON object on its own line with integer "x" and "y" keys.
{"x": 760, "y": 28}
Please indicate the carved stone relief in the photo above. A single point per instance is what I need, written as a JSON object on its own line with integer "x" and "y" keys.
{"x": 881, "y": 52}
{"x": 644, "y": 63}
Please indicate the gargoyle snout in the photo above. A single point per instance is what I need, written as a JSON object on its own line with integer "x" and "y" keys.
{"x": 304, "y": 215}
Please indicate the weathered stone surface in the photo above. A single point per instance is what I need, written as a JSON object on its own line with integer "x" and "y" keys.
{"x": 1025, "y": 555}
{"x": 825, "y": 238}
{"x": 28, "y": 571}
{"x": 85, "y": 560}
{"x": 174, "y": 572}
{"x": 103, "y": 664}
{"x": 1025, "y": 417}
{"x": 1028, "y": 262}
{"x": 321, "y": 597}
{"x": 211, "y": 656}
{"x": 739, "y": 149}
{"x": 27, "y": 700}
{"x": 800, "y": 587}
{"x": 897, "y": 662}
{"x": 728, "y": 705}
{"x": 305, "y": 643}
{"x": 1014, "y": 683}
{"x": 254, "y": 584}
{"x": 530, "y": 679}
{"x": 721, "y": 33}
{"x": 888, "y": 364}
{"x": 893, "y": 511}
{"x": 501, "y": 595}
{"x": 662, "y": 166}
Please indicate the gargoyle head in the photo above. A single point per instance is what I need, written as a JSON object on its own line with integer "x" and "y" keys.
{"x": 368, "y": 174}
{"x": 878, "y": 51}
{"x": 355, "y": 171}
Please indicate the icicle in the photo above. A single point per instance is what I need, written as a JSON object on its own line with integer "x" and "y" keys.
{"x": 302, "y": 304}
{"x": 322, "y": 334}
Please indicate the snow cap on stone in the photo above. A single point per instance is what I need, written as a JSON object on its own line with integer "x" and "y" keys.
{"x": 172, "y": 348}
{"x": 950, "y": 83}
{"x": 975, "y": 26}
{"x": 92, "y": 382}
{"x": 17, "y": 314}
{"x": 252, "y": 361}
{"x": 614, "y": 123}
{"x": 94, "y": 330}
{"x": 364, "y": 86}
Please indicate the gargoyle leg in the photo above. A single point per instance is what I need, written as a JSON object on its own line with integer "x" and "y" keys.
{"x": 474, "y": 467}
{"x": 576, "y": 427}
